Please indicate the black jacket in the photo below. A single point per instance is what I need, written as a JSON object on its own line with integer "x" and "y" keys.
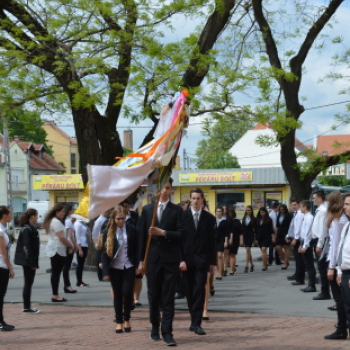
{"x": 132, "y": 248}
{"x": 28, "y": 247}
{"x": 165, "y": 250}
{"x": 199, "y": 250}
{"x": 264, "y": 230}
{"x": 284, "y": 226}
{"x": 248, "y": 230}
{"x": 222, "y": 230}
{"x": 235, "y": 227}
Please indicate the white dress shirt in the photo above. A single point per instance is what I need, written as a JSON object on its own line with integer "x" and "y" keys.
{"x": 273, "y": 216}
{"x": 121, "y": 260}
{"x": 199, "y": 213}
{"x": 82, "y": 233}
{"x": 290, "y": 233}
{"x": 163, "y": 205}
{"x": 319, "y": 228}
{"x": 345, "y": 263}
{"x": 96, "y": 230}
{"x": 68, "y": 224}
{"x": 3, "y": 233}
{"x": 298, "y": 221}
{"x": 54, "y": 244}
{"x": 306, "y": 230}
{"x": 334, "y": 237}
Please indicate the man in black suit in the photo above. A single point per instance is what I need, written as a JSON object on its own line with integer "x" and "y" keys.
{"x": 163, "y": 259}
{"x": 199, "y": 256}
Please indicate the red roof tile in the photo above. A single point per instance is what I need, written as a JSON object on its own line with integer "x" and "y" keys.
{"x": 300, "y": 146}
{"x": 324, "y": 144}
{"x": 46, "y": 163}
{"x": 53, "y": 125}
{"x": 261, "y": 126}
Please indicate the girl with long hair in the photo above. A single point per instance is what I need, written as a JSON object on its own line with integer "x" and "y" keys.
{"x": 221, "y": 241}
{"x": 248, "y": 224}
{"x": 68, "y": 211}
{"x": 27, "y": 255}
{"x": 6, "y": 269}
{"x": 119, "y": 263}
{"x": 264, "y": 231}
{"x": 235, "y": 231}
{"x": 336, "y": 219}
{"x": 56, "y": 248}
{"x": 282, "y": 246}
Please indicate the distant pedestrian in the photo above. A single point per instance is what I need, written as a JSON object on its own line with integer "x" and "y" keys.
{"x": 282, "y": 244}
{"x": 6, "y": 269}
{"x": 56, "y": 248}
{"x": 222, "y": 233}
{"x": 248, "y": 224}
{"x": 27, "y": 255}
{"x": 235, "y": 232}
{"x": 272, "y": 248}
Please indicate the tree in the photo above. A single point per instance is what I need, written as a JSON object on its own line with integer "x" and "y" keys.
{"x": 212, "y": 152}
{"x": 101, "y": 59}
{"x": 286, "y": 110}
{"x": 27, "y": 125}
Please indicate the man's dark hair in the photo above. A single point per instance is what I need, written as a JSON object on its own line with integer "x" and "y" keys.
{"x": 295, "y": 200}
{"x": 321, "y": 194}
{"x": 346, "y": 195}
{"x": 197, "y": 190}
{"x": 275, "y": 205}
{"x": 306, "y": 204}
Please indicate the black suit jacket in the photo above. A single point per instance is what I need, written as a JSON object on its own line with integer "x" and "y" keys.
{"x": 199, "y": 249}
{"x": 163, "y": 250}
{"x": 132, "y": 248}
{"x": 264, "y": 230}
{"x": 284, "y": 226}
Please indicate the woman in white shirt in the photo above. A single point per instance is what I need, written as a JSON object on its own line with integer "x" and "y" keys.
{"x": 56, "y": 248}
{"x": 336, "y": 219}
{"x": 6, "y": 270}
{"x": 68, "y": 211}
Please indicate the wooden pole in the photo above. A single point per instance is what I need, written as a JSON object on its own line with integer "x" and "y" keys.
{"x": 150, "y": 236}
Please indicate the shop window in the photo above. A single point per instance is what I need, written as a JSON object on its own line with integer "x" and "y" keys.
{"x": 235, "y": 199}
{"x": 73, "y": 171}
{"x": 73, "y": 160}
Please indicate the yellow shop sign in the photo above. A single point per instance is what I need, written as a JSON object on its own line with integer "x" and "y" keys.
{"x": 58, "y": 182}
{"x": 222, "y": 177}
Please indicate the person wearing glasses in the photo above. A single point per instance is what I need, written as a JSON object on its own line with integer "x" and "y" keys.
{"x": 282, "y": 245}
{"x": 119, "y": 262}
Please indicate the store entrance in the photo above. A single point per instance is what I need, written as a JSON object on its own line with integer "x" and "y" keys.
{"x": 236, "y": 199}
{"x": 265, "y": 199}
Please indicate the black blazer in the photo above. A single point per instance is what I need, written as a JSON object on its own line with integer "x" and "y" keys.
{"x": 199, "y": 249}
{"x": 165, "y": 250}
{"x": 284, "y": 227}
{"x": 222, "y": 230}
{"x": 28, "y": 247}
{"x": 248, "y": 230}
{"x": 132, "y": 248}
{"x": 235, "y": 227}
{"x": 264, "y": 230}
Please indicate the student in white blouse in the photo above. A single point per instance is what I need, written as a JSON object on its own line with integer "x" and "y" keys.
{"x": 6, "y": 269}
{"x": 82, "y": 234}
{"x": 56, "y": 248}
{"x": 119, "y": 261}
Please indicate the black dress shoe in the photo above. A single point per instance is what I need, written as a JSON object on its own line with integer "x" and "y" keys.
{"x": 205, "y": 318}
{"x": 322, "y": 296}
{"x": 169, "y": 340}
{"x": 212, "y": 291}
{"x": 264, "y": 268}
{"x": 63, "y": 300}
{"x": 279, "y": 263}
{"x": 309, "y": 289}
{"x": 332, "y": 308}
{"x": 127, "y": 329}
{"x": 297, "y": 283}
{"x": 192, "y": 328}
{"x": 340, "y": 333}
{"x": 219, "y": 278}
{"x": 291, "y": 278}
{"x": 285, "y": 268}
{"x": 4, "y": 327}
{"x": 200, "y": 331}
{"x": 119, "y": 330}
{"x": 155, "y": 334}
{"x": 180, "y": 296}
{"x": 66, "y": 290}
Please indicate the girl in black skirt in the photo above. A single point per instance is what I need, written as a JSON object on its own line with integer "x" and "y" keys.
{"x": 282, "y": 246}
{"x": 264, "y": 231}
{"x": 248, "y": 224}
{"x": 235, "y": 231}
{"x": 221, "y": 240}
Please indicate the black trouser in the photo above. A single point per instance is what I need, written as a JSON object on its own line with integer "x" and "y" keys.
{"x": 122, "y": 282}
{"x": 345, "y": 292}
{"x": 99, "y": 271}
{"x": 57, "y": 263}
{"x": 161, "y": 282}
{"x": 81, "y": 262}
{"x": 29, "y": 276}
{"x": 66, "y": 268}
{"x": 308, "y": 259}
{"x": 272, "y": 247}
{"x": 337, "y": 296}
{"x": 322, "y": 266}
{"x": 194, "y": 283}
{"x": 299, "y": 264}
{"x": 179, "y": 284}
{"x": 4, "y": 280}
{"x": 295, "y": 252}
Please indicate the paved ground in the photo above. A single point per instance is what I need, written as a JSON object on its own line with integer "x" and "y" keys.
{"x": 262, "y": 311}
{"x": 60, "y": 327}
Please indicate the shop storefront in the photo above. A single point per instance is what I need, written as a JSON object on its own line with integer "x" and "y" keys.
{"x": 238, "y": 187}
{"x": 66, "y": 188}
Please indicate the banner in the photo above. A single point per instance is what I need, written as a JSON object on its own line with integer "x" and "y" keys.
{"x": 220, "y": 177}
{"x": 58, "y": 182}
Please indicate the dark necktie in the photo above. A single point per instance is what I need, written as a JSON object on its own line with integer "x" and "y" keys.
{"x": 196, "y": 219}
{"x": 161, "y": 208}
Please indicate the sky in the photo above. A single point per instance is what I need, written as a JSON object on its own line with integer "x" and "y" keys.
{"x": 315, "y": 122}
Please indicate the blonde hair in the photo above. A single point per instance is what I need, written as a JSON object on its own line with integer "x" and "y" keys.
{"x": 335, "y": 207}
{"x": 112, "y": 228}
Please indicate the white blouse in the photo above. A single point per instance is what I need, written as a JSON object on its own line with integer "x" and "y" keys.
{"x": 334, "y": 239}
{"x": 54, "y": 245}
{"x": 3, "y": 233}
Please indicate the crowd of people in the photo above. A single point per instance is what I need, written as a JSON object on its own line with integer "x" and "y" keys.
{"x": 180, "y": 252}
